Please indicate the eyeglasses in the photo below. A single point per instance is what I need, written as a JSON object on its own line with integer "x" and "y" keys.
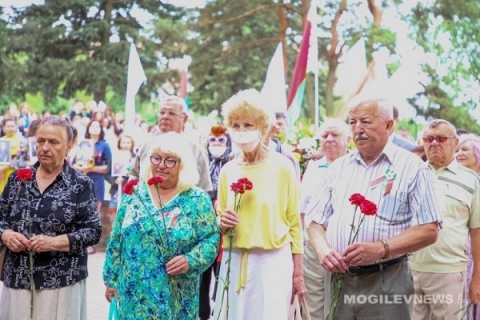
{"x": 164, "y": 113}
{"x": 169, "y": 163}
{"x": 440, "y": 139}
{"x": 221, "y": 140}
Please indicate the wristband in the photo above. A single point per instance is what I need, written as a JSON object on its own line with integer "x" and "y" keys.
{"x": 386, "y": 247}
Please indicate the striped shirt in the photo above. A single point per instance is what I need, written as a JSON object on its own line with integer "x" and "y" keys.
{"x": 411, "y": 200}
{"x": 459, "y": 201}
{"x": 312, "y": 182}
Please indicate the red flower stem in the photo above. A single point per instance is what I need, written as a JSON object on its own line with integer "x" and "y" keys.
{"x": 228, "y": 270}
{"x": 358, "y": 229}
{"x": 226, "y": 282}
{"x": 161, "y": 244}
{"x": 32, "y": 284}
{"x": 350, "y": 240}
{"x": 335, "y": 297}
{"x": 170, "y": 253}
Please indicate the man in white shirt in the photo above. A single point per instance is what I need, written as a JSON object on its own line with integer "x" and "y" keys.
{"x": 334, "y": 136}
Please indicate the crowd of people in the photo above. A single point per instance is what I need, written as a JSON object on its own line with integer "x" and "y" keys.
{"x": 230, "y": 208}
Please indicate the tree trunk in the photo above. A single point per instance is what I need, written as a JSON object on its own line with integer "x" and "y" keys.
{"x": 99, "y": 94}
{"x": 283, "y": 21}
{"x": 376, "y": 12}
{"x": 333, "y": 54}
{"x": 331, "y": 79}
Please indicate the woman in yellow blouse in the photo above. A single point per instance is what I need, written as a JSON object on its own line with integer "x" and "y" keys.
{"x": 267, "y": 245}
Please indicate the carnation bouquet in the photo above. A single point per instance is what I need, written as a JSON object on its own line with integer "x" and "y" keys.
{"x": 238, "y": 188}
{"x": 367, "y": 208}
{"x": 24, "y": 175}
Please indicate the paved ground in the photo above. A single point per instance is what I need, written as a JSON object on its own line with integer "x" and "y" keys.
{"x": 97, "y": 305}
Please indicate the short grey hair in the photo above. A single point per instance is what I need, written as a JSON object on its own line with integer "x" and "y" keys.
{"x": 174, "y": 101}
{"x": 385, "y": 107}
{"x": 178, "y": 146}
{"x": 337, "y": 123}
{"x": 436, "y": 122}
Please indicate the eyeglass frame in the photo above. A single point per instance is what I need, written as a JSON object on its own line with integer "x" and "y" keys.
{"x": 439, "y": 139}
{"x": 170, "y": 160}
{"x": 215, "y": 139}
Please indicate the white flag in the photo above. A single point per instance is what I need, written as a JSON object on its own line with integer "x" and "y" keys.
{"x": 274, "y": 89}
{"x": 136, "y": 76}
{"x": 351, "y": 69}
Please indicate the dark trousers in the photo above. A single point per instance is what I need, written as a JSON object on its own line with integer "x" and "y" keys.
{"x": 204, "y": 310}
{"x": 387, "y": 294}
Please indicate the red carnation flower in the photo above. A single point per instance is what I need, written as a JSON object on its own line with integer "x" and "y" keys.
{"x": 235, "y": 187}
{"x": 356, "y": 199}
{"x": 368, "y": 208}
{"x": 24, "y": 174}
{"x": 155, "y": 181}
{"x": 130, "y": 187}
{"x": 246, "y": 184}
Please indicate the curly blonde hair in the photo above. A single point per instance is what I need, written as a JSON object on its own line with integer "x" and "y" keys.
{"x": 246, "y": 105}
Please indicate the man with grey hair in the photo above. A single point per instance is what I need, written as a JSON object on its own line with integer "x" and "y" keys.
{"x": 172, "y": 116}
{"x": 375, "y": 264}
{"x": 334, "y": 137}
{"x": 439, "y": 270}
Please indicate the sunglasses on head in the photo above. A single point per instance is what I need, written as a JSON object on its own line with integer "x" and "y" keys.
{"x": 221, "y": 140}
{"x": 440, "y": 139}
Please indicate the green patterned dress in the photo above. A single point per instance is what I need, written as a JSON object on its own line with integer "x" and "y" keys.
{"x": 138, "y": 251}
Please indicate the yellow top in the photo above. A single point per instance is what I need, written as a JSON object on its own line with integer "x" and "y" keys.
{"x": 15, "y": 140}
{"x": 269, "y": 214}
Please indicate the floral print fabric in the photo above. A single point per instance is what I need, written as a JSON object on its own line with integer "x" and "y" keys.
{"x": 68, "y": 206}
{"x": 138, "y": 251}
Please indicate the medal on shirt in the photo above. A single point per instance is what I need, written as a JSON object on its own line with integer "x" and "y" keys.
{"x": 386, "y": 181}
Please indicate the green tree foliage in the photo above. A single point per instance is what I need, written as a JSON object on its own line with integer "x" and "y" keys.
{"x": 56, "y": 50}
{"x": 231, "y": 47}
{"x": 65, "y": 46}
{"x": 450, "y": 30}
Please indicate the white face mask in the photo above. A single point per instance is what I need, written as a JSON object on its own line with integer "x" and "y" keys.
{"x": 217, "y": 151}
{"x": 246, "y": 140}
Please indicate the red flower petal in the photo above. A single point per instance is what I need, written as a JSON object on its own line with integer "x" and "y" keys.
{"x": 368, "y": 208}
{"x": 356, "y": 199}
{"x": 155, "y": 180}
{"x": 130, "y": 187}
{"x": 24, "y": 174}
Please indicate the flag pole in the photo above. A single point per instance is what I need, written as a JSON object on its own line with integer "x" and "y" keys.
{"x": 314, "y": 55}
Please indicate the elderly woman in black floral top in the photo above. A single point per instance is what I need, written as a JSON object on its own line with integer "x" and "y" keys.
{"x": 48, "y": 217}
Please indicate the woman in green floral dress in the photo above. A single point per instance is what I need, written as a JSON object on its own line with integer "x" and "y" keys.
{"x": 165, "y": 235}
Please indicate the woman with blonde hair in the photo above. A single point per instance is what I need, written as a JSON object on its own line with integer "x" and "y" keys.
{"x": 164, "y": 236}
{"x": 468, "y": 155}
{"x": 468, "y": 151}
{"x": 267, "y": 244}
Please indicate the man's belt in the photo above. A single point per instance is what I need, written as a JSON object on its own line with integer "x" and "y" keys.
{"x": 372, "y": 268}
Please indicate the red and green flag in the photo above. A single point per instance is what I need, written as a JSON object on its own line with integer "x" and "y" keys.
{"x": 306, "y": 60}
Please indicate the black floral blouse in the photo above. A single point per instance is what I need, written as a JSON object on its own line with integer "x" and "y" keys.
{"x": 67, "y": 206}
